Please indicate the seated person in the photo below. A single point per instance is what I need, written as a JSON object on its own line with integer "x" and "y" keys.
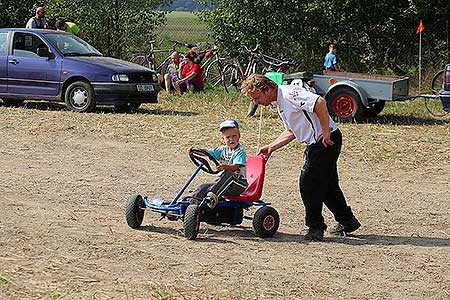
{"x": 191, "y": 75}
{"x": 173, "y": 71}
{"x": 232, "y": 160}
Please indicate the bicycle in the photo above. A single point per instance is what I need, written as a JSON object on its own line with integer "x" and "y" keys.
{"x": 434, "y": 105}
{"x": 214, "y": 68}
{"x": 256, "y": 58}
{"x": 148, "y": 58}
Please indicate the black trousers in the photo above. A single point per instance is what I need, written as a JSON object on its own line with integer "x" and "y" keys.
{"x": 227, "y": 183}
{"x": 319, "y": 183}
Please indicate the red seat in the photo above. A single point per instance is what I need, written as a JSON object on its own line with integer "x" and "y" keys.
{"x": 255, "y": 172}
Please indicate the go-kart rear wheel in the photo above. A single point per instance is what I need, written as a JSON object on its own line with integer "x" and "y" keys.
{"x": 191, "y": 221}
{"x": 134, "y": 211}
{"x": 266, "y": 221}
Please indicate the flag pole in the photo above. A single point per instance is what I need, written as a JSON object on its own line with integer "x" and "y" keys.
{"x": 420, "y": 62}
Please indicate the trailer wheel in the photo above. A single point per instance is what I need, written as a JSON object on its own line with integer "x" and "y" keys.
{"x": 375, "y": 108}
{"x": 345, "y": 104}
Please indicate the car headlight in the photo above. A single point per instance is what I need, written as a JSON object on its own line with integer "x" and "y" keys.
{"x": 120, "y": 77}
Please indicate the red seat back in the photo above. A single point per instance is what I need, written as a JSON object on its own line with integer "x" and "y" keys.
{"x": 255, "y": 172}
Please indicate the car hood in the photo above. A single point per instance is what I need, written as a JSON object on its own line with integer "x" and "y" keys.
{"x": 114, "y": 64}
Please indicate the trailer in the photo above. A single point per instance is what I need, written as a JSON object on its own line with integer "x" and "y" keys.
{"x": 354, "y": 96}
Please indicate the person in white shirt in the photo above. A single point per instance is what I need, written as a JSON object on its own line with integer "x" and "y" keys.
{"x": 305, "y": 118}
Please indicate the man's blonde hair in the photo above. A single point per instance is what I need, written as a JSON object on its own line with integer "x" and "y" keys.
{"x": 256, "y": 82}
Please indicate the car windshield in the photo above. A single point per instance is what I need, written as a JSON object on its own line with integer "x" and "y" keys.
{"x": 71, "y": 45}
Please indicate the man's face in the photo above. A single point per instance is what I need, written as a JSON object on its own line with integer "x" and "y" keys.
{"x": 40, "y": 12}
{"x": 231, "y": 137}
{"x": 175, "y": 58}
{"x": 262, "y": 98}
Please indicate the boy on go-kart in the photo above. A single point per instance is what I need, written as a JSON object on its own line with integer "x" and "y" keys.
{"x": 232, "y": 160}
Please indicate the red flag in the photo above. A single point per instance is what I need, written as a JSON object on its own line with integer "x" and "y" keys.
{"x": 420, "y": 28}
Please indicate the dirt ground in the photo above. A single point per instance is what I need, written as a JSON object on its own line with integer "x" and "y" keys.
{"x": 65, "y": 178}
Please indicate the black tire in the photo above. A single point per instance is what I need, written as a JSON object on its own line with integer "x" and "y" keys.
{"x": 12, "y": 102}
{"x": 232, "y": 77}
{"x": 140, "y": 60}
{"x": 134, "y": 211}
{"x": 213, "y": 76}
{"x": 191, "y": 222}
{"x": 344, "y": 104}
{"x": 266, "y": 221}
{"x": 80, "y": 97}
{"x": 436, "y": 82}
{"x": 375, "y": 108}
{"x": 127, "y": 108}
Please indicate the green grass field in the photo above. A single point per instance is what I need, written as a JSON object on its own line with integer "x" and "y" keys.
{"x": 184, "y": 27}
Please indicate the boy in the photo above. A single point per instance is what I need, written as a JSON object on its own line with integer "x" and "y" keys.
{"x": 330, "y": 61}
{"x": 232, "y": 160}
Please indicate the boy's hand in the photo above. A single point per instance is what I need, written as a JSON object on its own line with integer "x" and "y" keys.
{"x": 221, "y": 167}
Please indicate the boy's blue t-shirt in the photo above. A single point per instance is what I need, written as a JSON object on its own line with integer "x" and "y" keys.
{"x": 330, "y": 60}
{"x": 226, "y": 156}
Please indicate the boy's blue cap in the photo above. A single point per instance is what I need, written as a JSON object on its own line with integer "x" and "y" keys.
{"x": 228, "y": 123}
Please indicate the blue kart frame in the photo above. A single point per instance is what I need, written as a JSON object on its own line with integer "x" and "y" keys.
{"x": 228, "y": 210}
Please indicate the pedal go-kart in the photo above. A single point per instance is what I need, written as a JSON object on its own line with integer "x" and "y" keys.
{"x": 227, "y": 210}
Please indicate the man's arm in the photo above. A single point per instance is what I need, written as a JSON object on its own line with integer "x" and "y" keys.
{"x": 322, "y": 113}
{"x": 283, "y": 139}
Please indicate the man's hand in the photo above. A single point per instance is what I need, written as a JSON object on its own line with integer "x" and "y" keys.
{"x": 266, "y": 151}
{"x": 326, "y": 138}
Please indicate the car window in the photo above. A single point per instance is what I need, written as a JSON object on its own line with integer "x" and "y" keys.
{"x": 71, "y": 45}
{"x": 3, "y": 41}
{"x": 27, "y": 45}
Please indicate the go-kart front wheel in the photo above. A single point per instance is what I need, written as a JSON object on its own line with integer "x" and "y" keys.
{"x": 134, "y": 210}
{"x": 266, "y": 221}
{"x": 191, "y": 221}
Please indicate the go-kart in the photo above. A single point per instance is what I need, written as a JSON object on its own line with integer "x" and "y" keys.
{"x": 227, "y": 210}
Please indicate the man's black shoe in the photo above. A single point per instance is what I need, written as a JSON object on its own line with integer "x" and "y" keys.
{"x": 314, "y": 234}
{"x": 343, "y": 229}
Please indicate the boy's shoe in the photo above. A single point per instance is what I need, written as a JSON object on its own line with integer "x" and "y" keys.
{"x": 314, "y": 235}
{"x": 343, "y": 229}
{"x": 211, "y": 200}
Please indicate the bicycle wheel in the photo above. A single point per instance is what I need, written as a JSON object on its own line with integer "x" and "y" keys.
{"x": 140, "y": 60}
{"x": 233, "y": 77}
{"x": 215, "y": 76}
{"x": 437, "y": 82}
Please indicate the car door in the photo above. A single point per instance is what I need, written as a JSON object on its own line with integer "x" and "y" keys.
{"x": 28, "y": 72}
{"x": 3, "y": 62}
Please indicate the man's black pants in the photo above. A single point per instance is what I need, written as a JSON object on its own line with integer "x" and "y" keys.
{"x": 319, "y": 183}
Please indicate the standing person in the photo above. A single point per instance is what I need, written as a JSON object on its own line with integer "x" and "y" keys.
{"x": 305, "y": 118}
{"x": 70, "y": 27}
{"x": 38, "y": 21}
{"x": 191, "y": 75}
{"x": 173, "y": 71}
{"x": 330, "y": 61}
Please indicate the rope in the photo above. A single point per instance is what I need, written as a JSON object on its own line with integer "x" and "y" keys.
{"x": 260, "y": 125}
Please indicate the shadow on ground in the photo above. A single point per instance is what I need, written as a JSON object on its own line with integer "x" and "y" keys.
{"x": 58, "y": 106}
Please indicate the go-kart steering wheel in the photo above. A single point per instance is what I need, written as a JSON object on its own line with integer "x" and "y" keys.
{"x": 200, "y": 156}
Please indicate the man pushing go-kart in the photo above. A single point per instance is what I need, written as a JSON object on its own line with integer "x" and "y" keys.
{"x": 305, "y": 117}
{"x": 232, "y": 160}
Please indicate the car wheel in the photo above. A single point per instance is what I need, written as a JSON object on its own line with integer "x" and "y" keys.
{"x": 266, "y": 221}
{"x": 127, "y": 107}
{"x": 79, "y": 97}
{"x": 345, "y": 104}
{"x": 134, "y": 211}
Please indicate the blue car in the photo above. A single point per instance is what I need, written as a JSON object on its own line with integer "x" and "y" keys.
{"x": 58, "y": 66}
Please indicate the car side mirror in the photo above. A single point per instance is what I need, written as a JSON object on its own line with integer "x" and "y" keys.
{"x": 44, "y": 52}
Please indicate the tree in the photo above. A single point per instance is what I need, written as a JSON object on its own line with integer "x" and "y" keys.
{"x": 15, "y": 13}
{"x": 115, "y": 27}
